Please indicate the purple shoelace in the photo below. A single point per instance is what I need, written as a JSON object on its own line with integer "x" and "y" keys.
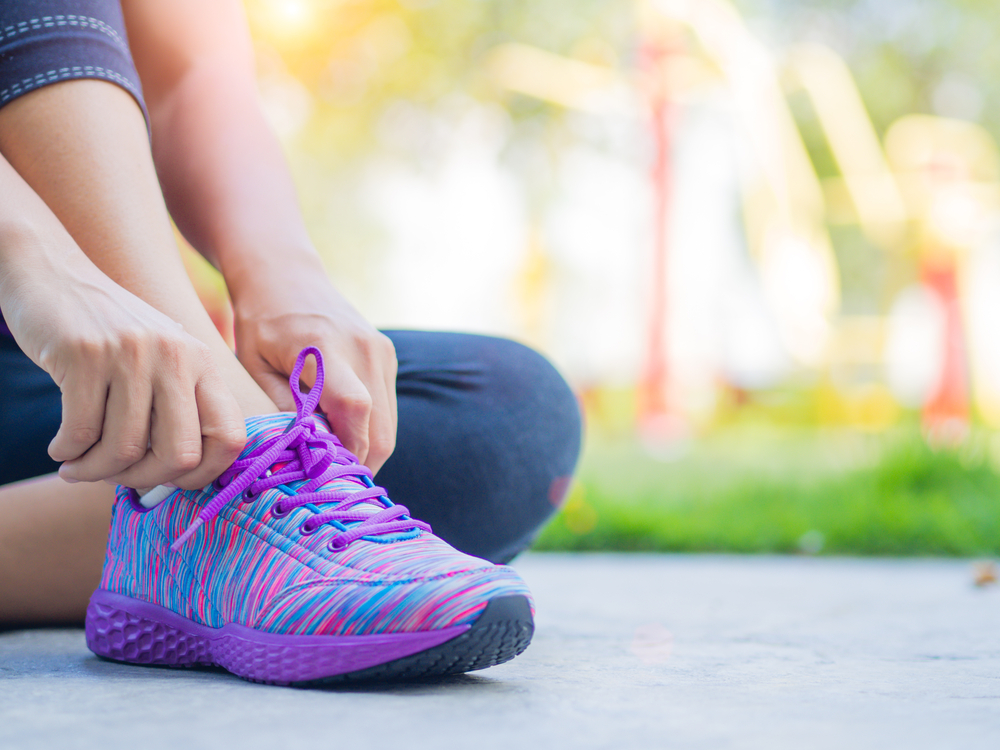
{"x": 312, "y": 455}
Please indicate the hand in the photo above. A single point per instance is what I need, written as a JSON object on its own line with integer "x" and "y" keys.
{"x": 291, "y": 309}
{"x": 142, "y": 401}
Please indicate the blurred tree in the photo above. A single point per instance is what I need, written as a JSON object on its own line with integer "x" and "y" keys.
{"x": 355, "y": 57}
{"x": 933, "y": 56}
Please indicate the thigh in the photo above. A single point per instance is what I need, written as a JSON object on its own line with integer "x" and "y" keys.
{"x": 488, "y": 437}
{"x": 30, "y": 411}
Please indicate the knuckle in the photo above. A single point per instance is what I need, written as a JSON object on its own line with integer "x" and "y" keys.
{"x": 231, "y": 438}
{"x": 355, "y": 404}
{"x": 90, "y": 347}
{"x": 47, "y": 359}
{"x": 198, "y": 350}
{"x": 381, "y": 446}
{"x": 83, "y": 435}
{"x": 387, "y": 347}
{"x": 185, "y": 460}
{"x": 359, "y": 446}
{"x": 366, "y": 344}
{"x": 173, "y": 349}
{"x": 128, "y": 452}
{"x": 132, "y": 341}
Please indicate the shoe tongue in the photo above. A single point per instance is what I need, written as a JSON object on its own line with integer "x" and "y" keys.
{"x": 267, "y": 426}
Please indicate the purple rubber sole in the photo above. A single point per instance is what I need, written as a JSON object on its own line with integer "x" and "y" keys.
{"x": 130, "y": 630}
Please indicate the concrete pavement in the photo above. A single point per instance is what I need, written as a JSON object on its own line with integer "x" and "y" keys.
{"x": 631, "y": 651}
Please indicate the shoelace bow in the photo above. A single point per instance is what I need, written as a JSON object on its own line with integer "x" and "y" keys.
{"x": 318, "y": 457}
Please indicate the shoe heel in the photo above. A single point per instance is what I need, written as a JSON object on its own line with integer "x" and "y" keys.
{"x": 115, "y": 633}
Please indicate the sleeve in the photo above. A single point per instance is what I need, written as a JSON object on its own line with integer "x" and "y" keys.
{"x": 46, "y": 41}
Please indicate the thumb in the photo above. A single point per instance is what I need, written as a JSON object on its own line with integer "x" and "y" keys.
{"x": 274, "y": 384}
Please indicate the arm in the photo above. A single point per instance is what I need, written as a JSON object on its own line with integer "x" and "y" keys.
{"x": 228, "y": 188}
{"x": 115, "y": 359}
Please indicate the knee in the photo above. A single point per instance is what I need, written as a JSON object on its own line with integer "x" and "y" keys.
{"x": 539, "y": 405}
{"x": 538, "y": 437}
{"x": 506, "y": 423}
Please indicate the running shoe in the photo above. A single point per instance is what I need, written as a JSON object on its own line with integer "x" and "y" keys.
{"x": 293, "y": 568}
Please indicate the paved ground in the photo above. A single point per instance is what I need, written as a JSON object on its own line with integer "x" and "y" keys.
{"x": 630, "y": 652}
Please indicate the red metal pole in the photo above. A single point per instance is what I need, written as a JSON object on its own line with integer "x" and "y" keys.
{"x": 654, "y": 407}
{"x": 946, "y": 413}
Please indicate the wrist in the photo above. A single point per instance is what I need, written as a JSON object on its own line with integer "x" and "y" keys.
{"x": 29, "y": 253}
{"x": 254, "y": 272}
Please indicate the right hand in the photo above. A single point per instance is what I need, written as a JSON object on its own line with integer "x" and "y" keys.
{"x": 142, "y": 401}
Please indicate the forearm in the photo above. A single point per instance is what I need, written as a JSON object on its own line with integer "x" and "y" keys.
{"x": 229, "y": 190}
{"x": 224, "y": 177}
{"x": 82, "y": 152}
{"x": 35, "y": 249}
{"x": 28, "y": 229}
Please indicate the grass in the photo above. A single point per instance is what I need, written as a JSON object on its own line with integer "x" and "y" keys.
{"x": 787, "y": 490}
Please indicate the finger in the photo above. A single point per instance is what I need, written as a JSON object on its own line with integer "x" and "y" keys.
{"x": 272, "y": 382}
{"x": 174, "y": 436}
{"x": 390, "y": 388}
{"x": 382, "y": 423}
{"x": 223, "y": 431}
{"x": 393, "y": 424}
{"x": 390, "y": 370}
{"x": 124, "y": 436}
{"x": 348, "y": 406}
{"x": 308, "y": 375}
{"x": 381, "y": 433}
{"x": 84, "y": 400}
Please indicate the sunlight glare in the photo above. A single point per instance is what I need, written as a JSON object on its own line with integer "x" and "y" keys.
{"x": 290, "y": 15}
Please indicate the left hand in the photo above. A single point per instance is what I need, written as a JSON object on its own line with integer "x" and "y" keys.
{"x": 281, "y": 316}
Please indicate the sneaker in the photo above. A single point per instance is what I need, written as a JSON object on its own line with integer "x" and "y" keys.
{"x": 293, "y": 568}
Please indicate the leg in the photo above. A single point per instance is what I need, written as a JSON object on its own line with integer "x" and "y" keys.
{"x": 53, "y": 534}
{"x": 488, "y": 437}
{"x": 52, "y": 546}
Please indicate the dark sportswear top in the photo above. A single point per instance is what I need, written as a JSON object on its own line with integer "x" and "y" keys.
{"x": 46, "y": 41}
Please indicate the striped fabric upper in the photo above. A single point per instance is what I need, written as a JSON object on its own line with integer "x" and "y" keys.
{"x": 281, "y": 572}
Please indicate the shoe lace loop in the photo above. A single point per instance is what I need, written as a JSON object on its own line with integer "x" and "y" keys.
{"x": 305, "y": 453}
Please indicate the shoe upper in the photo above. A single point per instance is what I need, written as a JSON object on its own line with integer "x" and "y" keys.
{"x": 260, "y": 558}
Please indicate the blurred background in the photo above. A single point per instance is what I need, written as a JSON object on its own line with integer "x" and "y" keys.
{"x": 761, "y": 240}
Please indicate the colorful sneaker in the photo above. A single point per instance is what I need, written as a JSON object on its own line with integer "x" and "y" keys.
{"x": 294, "y": 569}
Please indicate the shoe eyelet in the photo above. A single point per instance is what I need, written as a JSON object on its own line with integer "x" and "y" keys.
{"x": 222, "y": 481}
{"x": 305, "y": 530}
{"x": 336, "y": 545}
{"x": 249, "y": 495}
{"x": 277, "y": 511}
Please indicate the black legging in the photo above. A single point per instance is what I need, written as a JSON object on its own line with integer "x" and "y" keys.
{"x": 488, "y": 435}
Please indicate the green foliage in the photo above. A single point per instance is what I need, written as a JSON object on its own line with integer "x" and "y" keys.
{"x": 788, "y": 491}
{"x": 357, "y": 58}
